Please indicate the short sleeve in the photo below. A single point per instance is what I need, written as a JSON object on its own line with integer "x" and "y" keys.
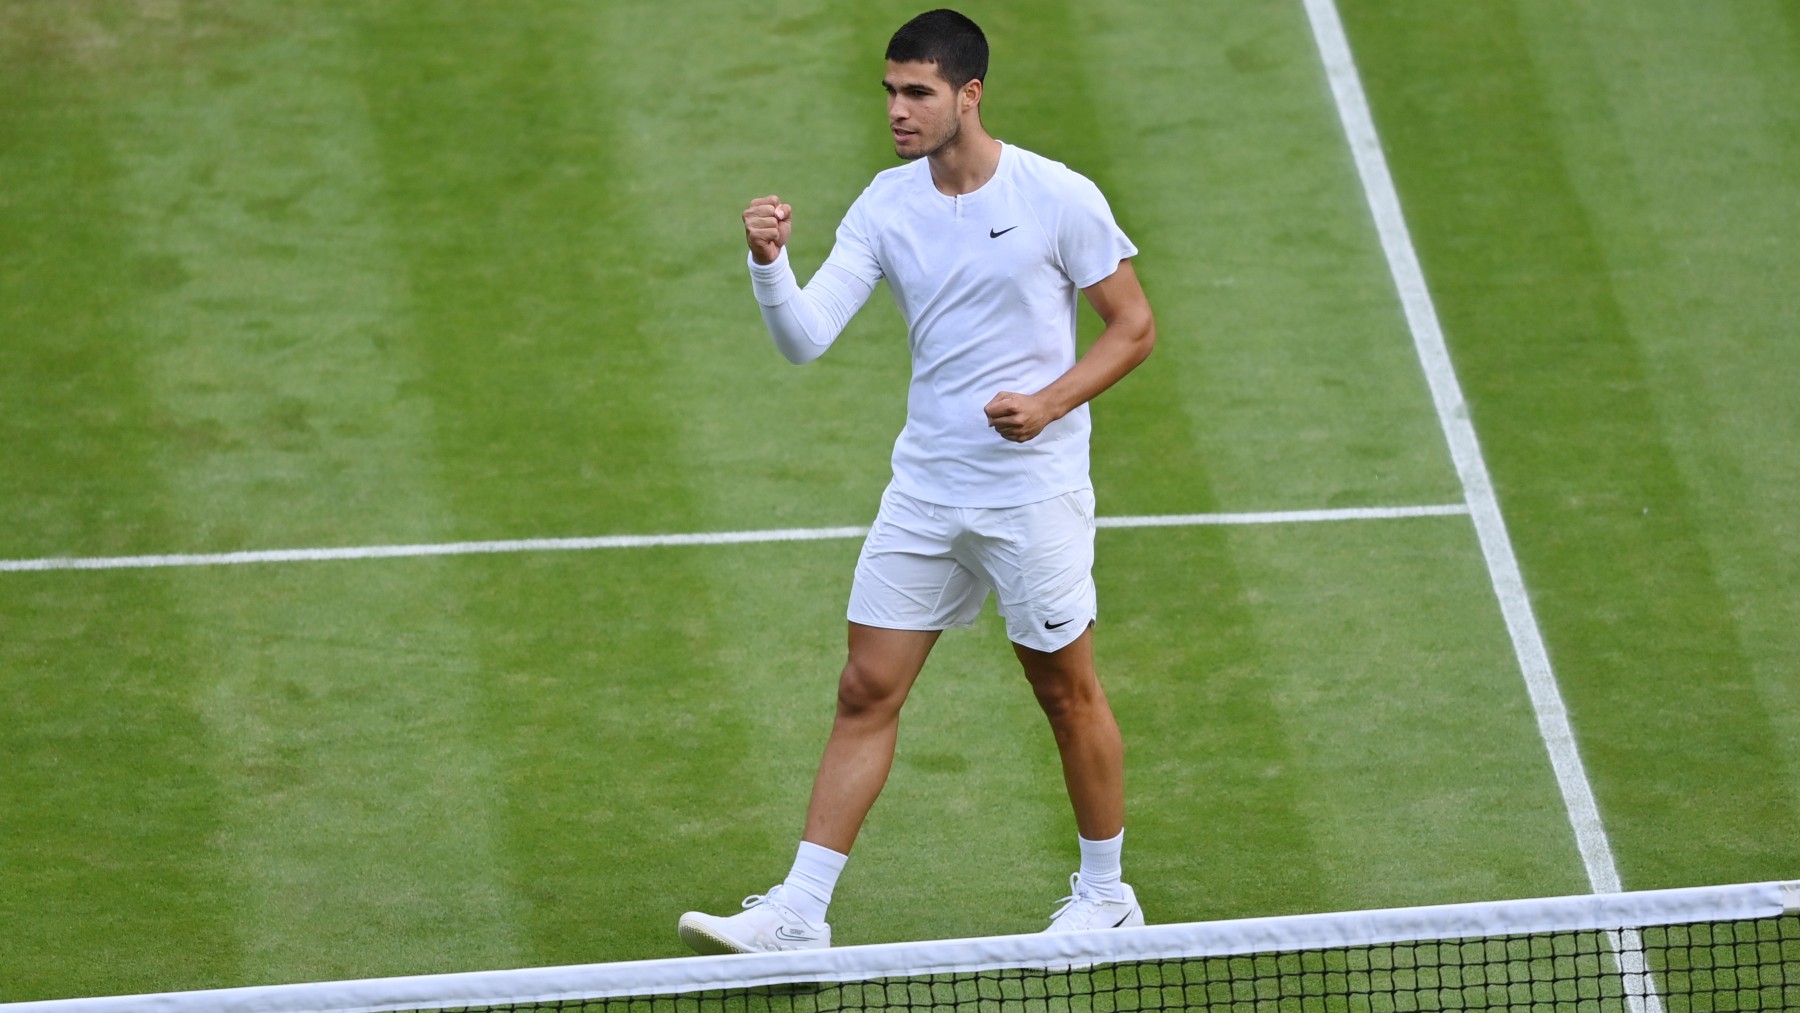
{"x": 1089, "y": 242}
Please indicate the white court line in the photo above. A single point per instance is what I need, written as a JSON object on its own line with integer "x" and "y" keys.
{"x": 1453, "y": 416}
{"x": 650, "y": 541}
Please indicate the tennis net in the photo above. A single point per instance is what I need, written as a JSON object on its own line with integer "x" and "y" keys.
{"x": 1701, "y": 950}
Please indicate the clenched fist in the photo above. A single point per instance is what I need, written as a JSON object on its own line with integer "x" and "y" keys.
{"x": 1019, "y": 417}
{"x": 767, "y": 225}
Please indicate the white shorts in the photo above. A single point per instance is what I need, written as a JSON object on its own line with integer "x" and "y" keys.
{"x": 930, "y": 567}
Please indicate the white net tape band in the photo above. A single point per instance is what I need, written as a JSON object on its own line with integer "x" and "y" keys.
{"x": 853, "y": 963}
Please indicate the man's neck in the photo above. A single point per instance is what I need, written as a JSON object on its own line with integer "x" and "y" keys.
{"x": 964, "y": 166}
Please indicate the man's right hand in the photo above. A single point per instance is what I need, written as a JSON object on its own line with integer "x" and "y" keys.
{"x": 767, "y": 225}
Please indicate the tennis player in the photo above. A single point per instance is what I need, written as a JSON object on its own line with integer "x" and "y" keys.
{"x": 985, "y": 247}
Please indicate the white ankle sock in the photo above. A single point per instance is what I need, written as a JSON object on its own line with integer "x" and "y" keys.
{"x": 810, "y": 882}
{"x": 1100, "y": 866}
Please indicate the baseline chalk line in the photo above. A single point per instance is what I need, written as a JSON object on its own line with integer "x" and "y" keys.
{"x": 654, "y": 541}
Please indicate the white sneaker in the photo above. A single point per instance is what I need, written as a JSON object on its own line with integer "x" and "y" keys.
{"x": 765, "y": 924}
{"x": 1082, "y": 911}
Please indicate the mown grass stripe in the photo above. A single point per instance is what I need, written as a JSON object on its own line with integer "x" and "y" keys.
{"x": 653, "y": 541}
{"x": 343, "y": 711}
{"x": 112, "y": 877}
{"x": 1459, "y": 431}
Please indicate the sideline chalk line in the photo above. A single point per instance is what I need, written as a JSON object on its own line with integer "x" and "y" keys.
{"x": 652, "y": 541}
{"x": 1453, "y": 416}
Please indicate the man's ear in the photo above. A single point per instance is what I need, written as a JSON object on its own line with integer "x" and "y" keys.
{"x": 971, "y": 93}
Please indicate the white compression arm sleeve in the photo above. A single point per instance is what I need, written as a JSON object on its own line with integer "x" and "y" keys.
{"x": 805, "y": 321}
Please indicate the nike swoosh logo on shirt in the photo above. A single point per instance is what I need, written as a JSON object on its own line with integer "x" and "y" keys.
{"x": 996, "y": 235}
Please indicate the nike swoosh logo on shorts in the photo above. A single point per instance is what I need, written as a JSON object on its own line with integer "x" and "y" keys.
{"x": 1047, "y": 623}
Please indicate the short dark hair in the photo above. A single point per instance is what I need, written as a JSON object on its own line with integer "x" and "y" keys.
{"x": 945, "y": 38}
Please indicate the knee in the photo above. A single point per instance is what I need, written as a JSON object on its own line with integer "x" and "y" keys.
{"x": 1065, "y": 700}
{"x": 865, "y": 690}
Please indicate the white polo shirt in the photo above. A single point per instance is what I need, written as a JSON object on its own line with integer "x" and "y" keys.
{"x": 988, "y": 283}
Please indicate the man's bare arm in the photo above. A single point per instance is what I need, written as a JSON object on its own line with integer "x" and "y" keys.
{"x": 1129, "y": 336}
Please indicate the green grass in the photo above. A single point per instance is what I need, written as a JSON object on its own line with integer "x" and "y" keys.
{"x": 334, "y": 274}
{"x": 1606, "y": 259}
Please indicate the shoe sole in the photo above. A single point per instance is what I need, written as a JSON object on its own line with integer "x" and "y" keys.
{"x": 704, "y": 942}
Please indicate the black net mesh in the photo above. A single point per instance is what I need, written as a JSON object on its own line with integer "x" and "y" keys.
{"x": 1710, "y": 967}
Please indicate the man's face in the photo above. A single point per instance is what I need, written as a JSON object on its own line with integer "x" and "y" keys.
{"x": 923, "y": 110}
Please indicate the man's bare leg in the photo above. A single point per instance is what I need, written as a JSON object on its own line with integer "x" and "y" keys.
{"x": 1087, "y": 736}
{"x": 1093, "y": 761}
{"x": 881, "y": 669}
{"x": 882, "y": 666}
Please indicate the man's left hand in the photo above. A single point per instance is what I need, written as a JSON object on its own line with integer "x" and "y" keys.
{"x": 1018, "y": 417}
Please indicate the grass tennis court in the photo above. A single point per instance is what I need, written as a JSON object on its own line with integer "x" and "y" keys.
{"x": 329, "y": 274}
